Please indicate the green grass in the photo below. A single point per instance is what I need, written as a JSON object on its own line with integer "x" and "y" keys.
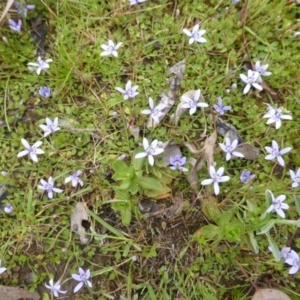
{"x": 176, "y": 258}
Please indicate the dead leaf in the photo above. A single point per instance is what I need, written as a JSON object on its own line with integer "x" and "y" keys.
{"x": 180, "y": 110}
{"x": 16, "y": 293}
{"x": 208, "y": 149}
{"x": 192, "y": 177}
{"x": 250, "y": 152}
{"x": 270, "y": 294}
{"x": 228, "y": 130}
{"x": 170, "y": 150}
{"x": 168, "y": 98}
{"x": 78, "y": 218}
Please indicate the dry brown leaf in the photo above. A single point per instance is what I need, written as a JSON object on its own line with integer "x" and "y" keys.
{"x": 250, "y": 152}
{"x": 168, "y": 98}
{"x": 208, "y": 149}
{"x": 205, "y": 154}
{"x": 270, "y": 294}
{"x": 80, "y": 214}
{"x": 16, "y": 293}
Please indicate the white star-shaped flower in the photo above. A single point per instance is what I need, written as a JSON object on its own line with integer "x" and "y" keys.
{"x": 129, "y": 92}
{"x": 251, "y": 80}
{"x": 110, "y": 49}
{"x": 195, "y": 35}
{"x": 150, "y": 150}
{"x": 278, "y": 205}
{"x": 40, "y": 65}
{"x": 155, "y": 111}
{"x": 193, "y": 103}
{"x": 31, "y": 150}
{"x": 50, "y": 126}
{"x": 55, "y": 288}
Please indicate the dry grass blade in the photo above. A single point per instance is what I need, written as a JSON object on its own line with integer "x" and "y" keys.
{"x": 6, "y": 9}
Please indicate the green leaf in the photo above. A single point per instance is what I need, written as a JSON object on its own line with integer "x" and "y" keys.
{"x": 138, "y": 162}
{"x": 121, "y": 169}
{"x": 149, "y": 183}
{"x": 266, "y": 228}
{"x": 125, "y": 184}
{"x": 297, "y": 202}
{"x": 124, "y": 207}
{"x": 134, "y": 187}
{"x": 225, "y": 218}
{"x": 252, "y": 242}
{"x": 210, "y": 231}
{"x": 275, "y": 249}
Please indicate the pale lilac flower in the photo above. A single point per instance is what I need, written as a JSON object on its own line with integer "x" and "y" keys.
{"x": 229, "y": 148}
{"x": 284, "y": 253}
{"x": 8, "y": 208}
{"x": 83, "y": 277}
{"x": 262, "y": 70}
{"x": 55, "y": 288}
{"x": 192, "y": 104}
{"x": 293, "y": 260}
{"x": 110, "y": 49}
{"x": 4, "y": 173}
{"x": 2, "y": 269}
{"x": 195, "y": 35}
{"x": 246, "y": 176}
{"x": 75, "y": 178}
{"x": 45, "y": 92}
{"x": 135, "y": 2}
{"x": 49, "y": 187}
{"x": 40, "y": 65}
{"x": 23, "y": 8}
{"x": 50, "y": 126}
{"x": 276, "y": 153}
{"x": 275, "y": 115}
{"x": 234, "y": 86}
{"x": 129, "y": 92}
{"x": 220, "y": 108}
{"x": 235, "y": 1}
{"x": 251, "y": 80}
{"x": 216, "y": 178}
{"x": 278, "y": 205}
{"x": 31, "y": 150}
{"x": 295, "y": 177}
{"x": 154, "y": 111}
{"x": 177, "y": 163}
{"x": 14, "y": 25}
{"x": 296, "y": 33}
{"x": 150, "y": 151}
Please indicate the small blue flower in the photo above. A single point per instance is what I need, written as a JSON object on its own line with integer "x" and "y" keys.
{"x": 229, "y": 148}
{"x": 82, "y": 277}
{"x": 295, "y": 177}
{"x": 246, "y": 176}
{"x": 23, "y": 8}
{"x": 8, "y": 208}
{"x": 275, "y": 152}
{"x": 40, "y": 65}
{"x": 45, "y": 92}
{"x": 14, "y": 25}
{"x": 216, "y": 177}
{"x": 177, "y": 163}
{"x": 220, "y": 108}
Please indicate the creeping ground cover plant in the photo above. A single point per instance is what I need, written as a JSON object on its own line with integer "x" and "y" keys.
{"x": 149, "y": 149}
